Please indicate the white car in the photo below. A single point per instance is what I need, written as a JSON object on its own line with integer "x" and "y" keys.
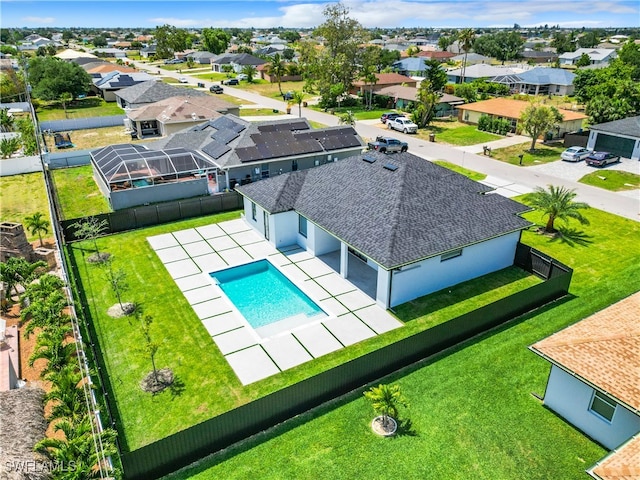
{"x": 402, "y": 124}
{"x": 575, "y": 154}
{"x": 242, "y": 76}
{"x": 183, "y": 80}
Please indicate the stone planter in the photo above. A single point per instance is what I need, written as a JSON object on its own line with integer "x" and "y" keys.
{"x": 383, "y": 430}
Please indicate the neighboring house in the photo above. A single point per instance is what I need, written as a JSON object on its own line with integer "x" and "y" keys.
{"x": 102, "y": 67}
{"x": 34, "y": 41}
{"x": 382, "y": 80}
{"x": 472, "y": 59}
{"x": 540, "y": 81}
{"x": 148, "y": 51}
{"x": 594, "y": 381}
{"x": 597, "y": 56}
{"x": 73, "y": 55}
{"x": 512, "y": 110}
{"x": 263, "y": 71}
{"x": 411, "y": 66}
{"x": 151, "y": 92}
{"x": 110, "y": 52}
{"x": 402, "y": 96}
{"x": 174, "y": 114}
{"x": 122, "y": 45}
{"x": 436, "y": 55}
{"x": 245, "y": 151}
{"x": 536, "y": 56}
{"x": 106, "y": 85}
{"x": 393, "y": 214}
{"x": 201, "y": 57}
{"x": 621, "y": 137}
{"x": 271, "y": 50}
{"x": 237, "y": 61}
{"x": 475, "y": 72}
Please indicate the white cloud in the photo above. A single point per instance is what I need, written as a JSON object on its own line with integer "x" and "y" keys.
{"x": 39, "y": 19}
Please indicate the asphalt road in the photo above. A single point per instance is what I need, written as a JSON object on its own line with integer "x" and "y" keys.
{"x": 625, "y": 204}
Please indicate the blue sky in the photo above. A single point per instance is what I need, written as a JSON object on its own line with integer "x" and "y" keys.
{"x": 286, "y": 13}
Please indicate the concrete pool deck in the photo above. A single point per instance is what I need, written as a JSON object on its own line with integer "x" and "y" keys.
{"x": 190, "y": 255}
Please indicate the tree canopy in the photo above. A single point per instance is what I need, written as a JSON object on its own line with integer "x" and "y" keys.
{"x": 50, "y": 77}
{"x": 215, "y": 40}
{"x": 537, "y": 119}
{"x": 502, "y": 45}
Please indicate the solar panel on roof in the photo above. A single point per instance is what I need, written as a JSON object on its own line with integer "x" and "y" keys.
{"x": 390, "y": 166}
{"x": 224, "y": 122}
{"x": 299, "y": 125}
{"x": 225, "y": 136}
{"x": 248, "y": 154}
{"x": 215, "y": 149}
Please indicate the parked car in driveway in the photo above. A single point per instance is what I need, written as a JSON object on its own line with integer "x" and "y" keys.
{"x": 601, "y": 159}
{"x": 402, "y": 124}
{"x": 183, "y": 80}
{"x": 242, "y": 76}
{"x": 389, "y": 116}
{"x": 388, "y": 145}
{"x": 232, "y": 81}
{"x": 575, "y": 154}
{"x": 216, "y": 89}
{"x": 287, "y": 96}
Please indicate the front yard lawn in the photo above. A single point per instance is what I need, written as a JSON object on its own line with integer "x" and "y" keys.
{"x": 22, "y": 196}
{"x": 82, "y": 108}
{"x": 614, "y": 180}
{"x": 473, "y": 175}
{"x": 78, "y": 193}
{"x": 262, "y": 112}
{"x": 472, "y": 413}
{"x": 542, "y": 154}
{"x": 456, "y": 133}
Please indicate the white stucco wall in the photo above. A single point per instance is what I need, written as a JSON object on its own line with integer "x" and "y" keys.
{"x": 432, "y": 274}
{"x": 320, "y": 242}
{"x": 570, "y": 398}
{"x": 284, "y": 229}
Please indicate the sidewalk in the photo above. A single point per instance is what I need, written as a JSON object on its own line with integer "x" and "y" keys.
{"x": 503, "y": 142}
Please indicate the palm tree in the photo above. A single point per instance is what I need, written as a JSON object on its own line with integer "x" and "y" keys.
{"x": 52, "y": 346}
{"x": 67, "y": 395}
{"x": 6, "y": 120}
{"x": 298, "y": 97}
{"x": 370, "y": 78}
{"x": 17, "y": 271}
{"x": 347, "y": 118}
{"x": 250, "y": 72}
{"x": 465, "y": 38}
{"x": 45, "y": 313}
{"x": 36, "y": 224}
{"x": 385, "y": 400}
{"x": 557, "y": 203}
{"x": 277, "y": 68}
{"x": 46, "y": 285}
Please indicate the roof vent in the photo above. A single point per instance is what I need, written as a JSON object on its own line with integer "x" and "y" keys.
{"x": 390, "y": 166}
{"x": 369, "y": 159}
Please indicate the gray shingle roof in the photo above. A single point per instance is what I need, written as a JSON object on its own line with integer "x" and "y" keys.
{"x": 393, "y": 217}
{"x": 153, "y": 91}
{"x": 627, "y": 126}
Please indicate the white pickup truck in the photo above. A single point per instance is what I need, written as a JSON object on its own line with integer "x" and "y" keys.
{"x": 402, "y": 124}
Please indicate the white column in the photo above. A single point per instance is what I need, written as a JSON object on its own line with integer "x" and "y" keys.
{"x": 344, "y": 260}
{"x": 383, "y": 297}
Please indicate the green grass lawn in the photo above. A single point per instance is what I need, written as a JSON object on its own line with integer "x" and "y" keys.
{"x": 211, "y": 76}
{"x": 455, "y": 133}
{"x": 22, "y": 196}
{"x": 82, "y": 108}
{"x": 359, "y": 112}
{"x": 78, "y": 193}
{"x": 263, "y": 112}
{"x": 614, "y": 180}
{"x": 471, "y": 412}
{"x": 210, "y": 386}
{"x": 542, "y": 154}
{"x": 473, "y": 175}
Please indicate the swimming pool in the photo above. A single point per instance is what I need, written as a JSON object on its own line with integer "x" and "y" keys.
{"x": 264, "y": 297}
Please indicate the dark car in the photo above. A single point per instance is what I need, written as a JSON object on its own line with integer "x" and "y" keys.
{"x": 287, "y": 96}
{"x": 232, "y": 81}
{"x": 389, "y": 116}
{"x": 216, "y": 89}
{"x": 601, "y": 159}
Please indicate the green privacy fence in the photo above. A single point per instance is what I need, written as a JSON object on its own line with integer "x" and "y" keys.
{"x": 191, "y": 444}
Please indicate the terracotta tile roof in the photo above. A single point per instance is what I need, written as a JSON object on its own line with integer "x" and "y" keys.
{"x": 505, "y": 107}
{"x": 603, "y": 350}
{"x": 389, "y": 79}
{"x": 180, "y": 109}
{"x": 436, "y": 54}
{"x": 111, "y": 67}
{"x": 623, "y": 464}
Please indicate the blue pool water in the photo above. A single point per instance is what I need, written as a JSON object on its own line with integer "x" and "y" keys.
{"x": 263, "y": 295}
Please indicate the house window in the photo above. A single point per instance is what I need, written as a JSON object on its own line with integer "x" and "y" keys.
{"x": 253, "y": 211}
{"x": 265, "y": 170}
{"x": 294, "y": 165}
{"x": 302, "y": 226}
{"x": 449, "y": 255}
{"x": 602, "y": 405}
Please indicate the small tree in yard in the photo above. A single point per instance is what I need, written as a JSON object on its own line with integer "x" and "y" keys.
{"x": 90, "y": 229}
{"x": 9, "y": 146}
{"x": 36, "y": 224}
{"x": 118, "y": 282}
{"x": 250, "y": 72}
{"x": 557, "y": 203}
{"x": 298, "y": 97}
{"x": 426, "y": 101}
{"x": 385, "y": 400}
{"x": 157, "y": 380}
{"x": 537, "y": 119}
{"x": 347, "y": 118}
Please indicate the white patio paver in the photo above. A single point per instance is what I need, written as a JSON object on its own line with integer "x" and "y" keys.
{"x": 210, "y": 231}
{"x": 377, "y": 319}
{"x": 333, "y": 306}
{"x": 210, "y": 262}
{"x": 260, "y": 249}
{"x": 201, "y": 294}
{"x": 187, "y": 236}
{"x": 252, "y": 364}
{"x": 317, "y": 340}
{"x": 192, "y": 281}
{"x": 211, "y": 308}
{"x": 349, "y": 329}
{"x": 181, "y": 268}
{"x": 314, "y": 267}
{"x": 223, "y": 323}
{"x": 315, "y": 290}
{"x": 198, "y": 248}
{"x": 162, "y": 241}
{"x": 235, "y": 340}
{"x": 355, "y": 299}
{"x": 286, "y": 351}
{"x": 234, "y": 226}
{"x": 222, "y": 243}
{"x": 245, "y": 238}
{"x": 335, "y": 284}
{"x": 294, "y": 273}
{"x": 172, "y": 254}
{"x": 235, "y": 256}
